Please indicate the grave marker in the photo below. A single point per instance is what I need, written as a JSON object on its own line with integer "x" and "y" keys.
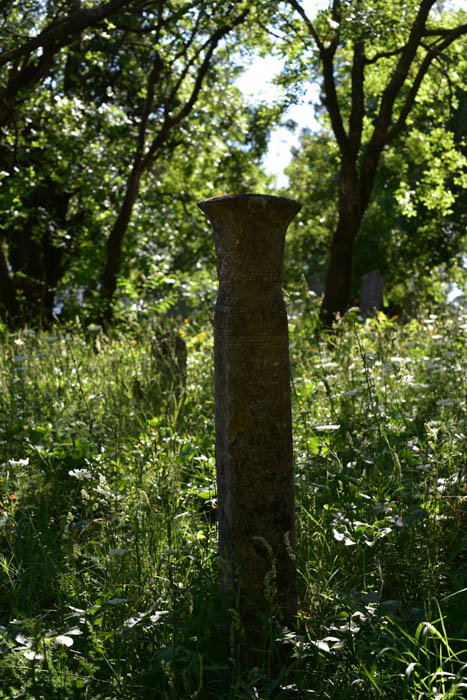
{"x": 371, "y": 293}
{"x": 316, "y": 283}
{"x": 254, "y": 460}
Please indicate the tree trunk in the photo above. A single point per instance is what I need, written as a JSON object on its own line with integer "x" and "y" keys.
{"x": 36, "y": 259}
{"x": 145, "y": 155}
{"x": 115, "y": 244}
{"x": 337, "y": 288}
{"x": 9, "y": 309}
{"x": 28, "y": 267}
{"x": 351, "y": 209}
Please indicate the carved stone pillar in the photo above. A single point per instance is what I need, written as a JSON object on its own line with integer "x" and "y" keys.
{"x": 254, "y": 459}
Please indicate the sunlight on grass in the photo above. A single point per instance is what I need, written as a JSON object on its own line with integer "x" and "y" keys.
{"x": 108, "y": 563}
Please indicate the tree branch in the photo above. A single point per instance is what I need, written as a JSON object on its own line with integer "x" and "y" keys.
{"x": 358, "y": 99}
{"x": 438, "y": 32}
{"x": 332, "y": 103}
{"x": 54, "y": 37}
{"x": 170, "y": 122}
{"x": 383, "y": 54}
{"x": 20, "y": 79}
{"x": 296, "y": 5}
{"x": 389, "y": 54}
{"x": 410, "y": 100}
{"x": 399, "y": 76}
{"x": 148, "y": 105}
{"x": 58, "y": 32}
{"x": 383, "y": 131}
{"x": 336, "y": 10}
{"x": 140, "y": 164}
{"x": 327, "y": 58}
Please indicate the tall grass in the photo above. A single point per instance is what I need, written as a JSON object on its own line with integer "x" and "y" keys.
{"x": 108, "y": 542}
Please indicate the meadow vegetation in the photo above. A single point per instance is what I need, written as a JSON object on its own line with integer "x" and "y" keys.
{"x": 108, "y": 539}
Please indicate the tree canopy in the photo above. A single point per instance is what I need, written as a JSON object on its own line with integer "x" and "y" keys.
{"x": 111, "y": 104}
{"x": 116, "y": 116}
{"x": 379, "y": 63}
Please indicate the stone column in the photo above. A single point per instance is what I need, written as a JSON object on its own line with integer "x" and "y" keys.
{"x": 254, "y": 460}
{"x": 371, "y": 293}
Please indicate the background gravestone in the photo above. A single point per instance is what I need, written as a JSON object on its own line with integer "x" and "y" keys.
{"x": 371, "y": 293}
{"x": 316, "y": 283}
{"x": 254, "y": 459}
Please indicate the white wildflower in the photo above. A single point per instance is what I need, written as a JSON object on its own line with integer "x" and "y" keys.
{"x": 19, "y": 462}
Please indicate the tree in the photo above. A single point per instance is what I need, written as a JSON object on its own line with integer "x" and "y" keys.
{"x": 416, "y": 221}
{"x": 374, "y": 58}
{"x": 34, "y": 36}
{"x": 168, "y": 249}
{"x": 60, "y": 172}
{"x": 29, "y": 54}
{"x": 185, "y": 43}
{"x": 79, "y": 137}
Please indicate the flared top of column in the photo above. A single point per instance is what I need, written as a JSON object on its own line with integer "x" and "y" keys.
{"x": 254, "y": 203}
{"x": 249, "y": 234}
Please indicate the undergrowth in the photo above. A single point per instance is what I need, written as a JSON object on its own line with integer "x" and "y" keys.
{"x": 108, "y": 541}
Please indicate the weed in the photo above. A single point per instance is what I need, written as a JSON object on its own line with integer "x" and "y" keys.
{"x": 108, "y": 542}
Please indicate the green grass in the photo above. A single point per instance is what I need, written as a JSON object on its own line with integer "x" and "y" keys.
{"x": 108, "y": 565}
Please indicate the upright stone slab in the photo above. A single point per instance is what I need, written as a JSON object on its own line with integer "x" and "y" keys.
{"x": 316, "y": 283}
{"x": 254, "y": 458}
{"x": 371, "y": 293}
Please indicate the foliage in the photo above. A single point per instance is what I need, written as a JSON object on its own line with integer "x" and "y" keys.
{"x": 114, "y": 121}
{"x": 407, "y": 232}
{"x": 119, "y": 104}
{"x": 392, "y": 77}
{"x": 108, "y": 576}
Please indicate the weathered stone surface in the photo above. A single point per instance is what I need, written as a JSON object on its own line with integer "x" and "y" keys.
{"x": 371, "y": 293}
{"x": 254, "y": 458}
